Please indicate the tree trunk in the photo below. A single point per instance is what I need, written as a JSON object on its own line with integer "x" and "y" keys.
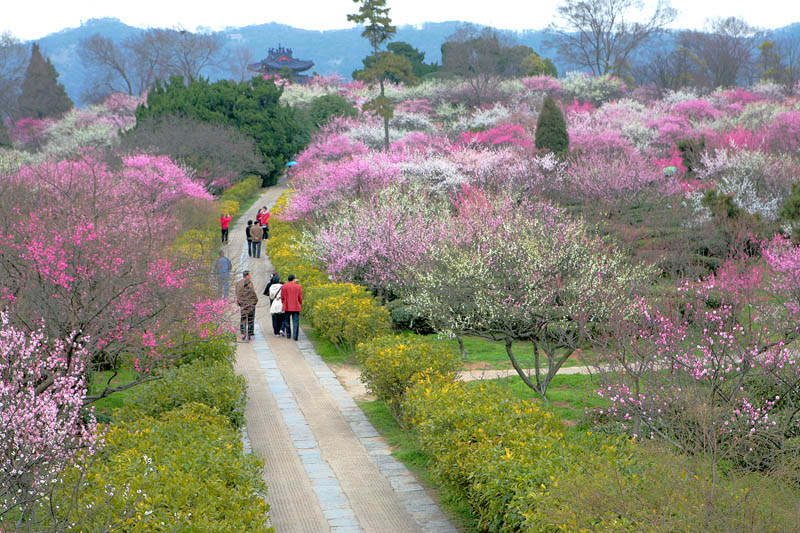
{"x": 385, "y": 124}
{"x": 461, "y": 347}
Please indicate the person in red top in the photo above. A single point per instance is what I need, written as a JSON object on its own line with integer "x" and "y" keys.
{"x": 292, "y": 300}
{"x": 224, "y": 221}
{"x": 263, "y": 220}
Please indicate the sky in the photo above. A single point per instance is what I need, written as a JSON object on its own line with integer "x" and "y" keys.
{"x": 32, "y": 19}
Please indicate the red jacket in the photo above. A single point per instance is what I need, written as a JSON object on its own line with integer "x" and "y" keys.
{"x": 224, "y": 221}
{"x": 292, "y": 296}
{"x": 263, "y": 218}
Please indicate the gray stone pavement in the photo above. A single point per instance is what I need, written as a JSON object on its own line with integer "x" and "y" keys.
{"x": 326, "y": 467}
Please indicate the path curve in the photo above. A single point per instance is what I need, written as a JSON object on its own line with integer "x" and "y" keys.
{"x": 326, "y": 467}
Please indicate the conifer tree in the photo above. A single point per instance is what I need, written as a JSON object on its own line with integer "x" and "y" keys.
{"x": 42, "y": 96}
{"x": 551, "y": 129}
{"x": 5, "y": 140}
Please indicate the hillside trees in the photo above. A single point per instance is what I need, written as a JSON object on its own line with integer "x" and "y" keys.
{"x": 600, "y": 34}
{"x": 12, "y": 71}
{"x": 483, "y": 58}
{"x": 42, "y": 96}
{"x": 724, "y": 53}
{"x": 146, "y": 58}
{"x": 252, "y": 107}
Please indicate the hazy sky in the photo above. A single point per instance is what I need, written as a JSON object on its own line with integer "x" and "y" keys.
{"x": 31, "y": 19}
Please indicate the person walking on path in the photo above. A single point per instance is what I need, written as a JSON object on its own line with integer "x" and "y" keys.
{"x": 292, "y": 299}
{"x": 263, "y": 219}
{"x": 247, "y": 299}
{"x": 222, "y": 269}
{"x": 224, "y": 222}
{"x": 255, "y": 235}
{"x": 249, "y": 240}
{"x": 273, "y": 291}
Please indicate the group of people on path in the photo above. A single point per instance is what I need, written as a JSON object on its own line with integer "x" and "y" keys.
{"x": 285, "y": 300}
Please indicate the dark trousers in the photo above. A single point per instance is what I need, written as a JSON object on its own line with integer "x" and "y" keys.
{"x": 249, "y": 247}
{"x": 257, "y": 249}
{"x": 247, "y": 325}
{"x": 277, "y": 323}
{"x": 266, "y": 232}
{"x": 225, "y": 235}
{"x": 292, "y": 317}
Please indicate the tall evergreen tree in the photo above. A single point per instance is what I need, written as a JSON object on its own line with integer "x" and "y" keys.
{"x": 42, "y": 96}
{"x": 5, "y": 140}
{"x": 551, "y": 129}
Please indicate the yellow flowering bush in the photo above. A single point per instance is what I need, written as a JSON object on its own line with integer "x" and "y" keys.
{"x": 230, "y": 207}
{"x": 182, "y": 471}
{"x": 242, "y": 191}
{"x": 392, "y": 363}
{"x": 346, "y": 321}
{"x": 317, "y": 293}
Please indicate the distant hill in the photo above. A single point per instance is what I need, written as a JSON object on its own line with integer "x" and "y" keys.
{"x": 333, "y": 51}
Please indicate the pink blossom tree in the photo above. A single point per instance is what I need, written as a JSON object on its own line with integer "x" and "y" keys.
{"x": 41, "y": 427}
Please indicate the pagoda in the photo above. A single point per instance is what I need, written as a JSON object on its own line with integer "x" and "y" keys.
{"x": 278, "y": 58}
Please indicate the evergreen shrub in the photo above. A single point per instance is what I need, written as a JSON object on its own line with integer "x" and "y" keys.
{"x": 551, "y": 129}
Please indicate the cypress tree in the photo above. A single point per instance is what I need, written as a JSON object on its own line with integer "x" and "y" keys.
{"x": 42, "y": 96}
{"x": 551, "y": 129}
{"x": 5, "y": 139}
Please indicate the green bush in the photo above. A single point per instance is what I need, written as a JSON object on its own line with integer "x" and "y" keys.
{"x": 519, "y": 469}
{"x": 346, "y": 321}
{"x": 551, "y": 129}
{"x": 317, "y": 293}
{"x": 213, "y": 349}
{"x": 242, "y": 191}
{"x": 692, "y": 151}
{"x": 330, "y": 105}
{"x": 182, "y": 471}
{"x": 392, "y": 363}
{"x": 405, "y": 316}
{"x": 214, "y": 385}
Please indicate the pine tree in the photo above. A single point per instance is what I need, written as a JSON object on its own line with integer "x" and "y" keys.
{"x": 551, "y": 129}
{"x": 5, "y": 140}
{"x": 42, "y": 96}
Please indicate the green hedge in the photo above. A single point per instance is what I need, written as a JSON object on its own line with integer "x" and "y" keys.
{"x": 214, "y": 384}
{"x": 184, "y": 470}
{"x": 520, "y": 469}
{"x": 393, "y": 363}
{"x": 242, "y": 191}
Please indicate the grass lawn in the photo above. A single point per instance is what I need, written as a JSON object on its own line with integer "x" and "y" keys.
{"x": 491, "y": 355}
{"x": 105, "y": 406}
{"x": 568, "y": 396}
{"x": 325, "y": 348}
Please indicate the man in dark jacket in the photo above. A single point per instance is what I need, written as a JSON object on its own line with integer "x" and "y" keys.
{"x": 292, "y": 298}
{"x": 247, "y": 299}
{"x": 249, "y": 240}
{"x": 255, "y": 235}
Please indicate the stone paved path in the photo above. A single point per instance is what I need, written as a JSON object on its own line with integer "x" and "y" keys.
{"x": 326, "y": 468}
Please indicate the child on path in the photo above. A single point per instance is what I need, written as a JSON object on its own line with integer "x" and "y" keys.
{"x": 224, "y": 222}
{"x": 247, "y": 299}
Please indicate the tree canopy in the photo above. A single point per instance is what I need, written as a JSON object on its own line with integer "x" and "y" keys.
{"x": 42, "y": 96}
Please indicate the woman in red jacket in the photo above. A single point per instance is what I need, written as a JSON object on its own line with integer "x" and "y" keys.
{"x": 263, "y": 220}
{"x": 224, "y": 221}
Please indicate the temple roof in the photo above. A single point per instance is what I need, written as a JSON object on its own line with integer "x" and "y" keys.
{"x": 277, "y": 58}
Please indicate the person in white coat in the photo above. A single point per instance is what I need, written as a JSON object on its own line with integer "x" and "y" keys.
{"x": 273, "y": 291}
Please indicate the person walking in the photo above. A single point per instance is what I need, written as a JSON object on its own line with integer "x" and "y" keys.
{"x": 247, "y": 299}
{"x": 224, "y": 222}
{"x": 249, "y": 241}
{"x": 292, "y": 299}
{"x": 263, "y": 219}
{"x": 273, "y": 291}
{"x": 222, "y": 269}
{"x": 255, "y": 235}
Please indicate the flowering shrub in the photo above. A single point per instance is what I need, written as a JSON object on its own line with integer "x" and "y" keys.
{"x": 346, "y": 321}
{"x": 392, "y": 364}
{"x": 546, "y": 84}
{"x": 595, "y": 89}
{"x": 41, "y": 428}
{"x": 783, "y": 133}
{"x": 506, "y": 134}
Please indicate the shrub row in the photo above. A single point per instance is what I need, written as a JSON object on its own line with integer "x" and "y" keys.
{"x": 232, "y": 199}
{"x": 519, "y": 469}
{"x": 394, "y": 363}
{"x": 342, "y": 313}
{"x": 173, "y": 459}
